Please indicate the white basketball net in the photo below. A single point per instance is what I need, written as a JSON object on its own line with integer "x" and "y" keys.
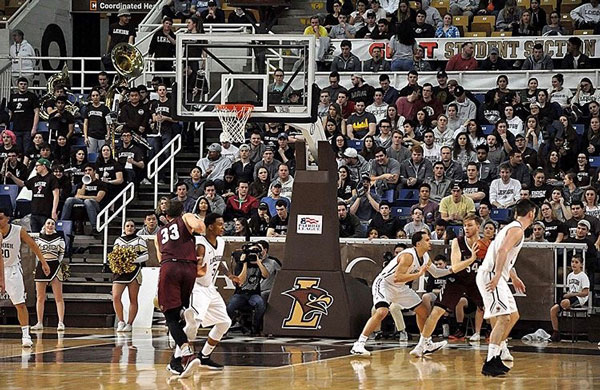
{"x": 233, "y": 119}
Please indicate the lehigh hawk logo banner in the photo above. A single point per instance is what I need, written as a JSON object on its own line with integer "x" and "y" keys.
{"x": 310, "y": 303}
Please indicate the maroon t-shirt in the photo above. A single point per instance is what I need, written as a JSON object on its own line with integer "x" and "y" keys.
{"x": 176, "y": 242}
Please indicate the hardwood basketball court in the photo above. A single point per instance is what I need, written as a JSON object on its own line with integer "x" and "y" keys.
{"x": 84, "y": 359}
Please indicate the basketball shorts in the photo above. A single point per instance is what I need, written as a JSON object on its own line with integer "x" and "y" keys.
{"x": 176, "y": 281}
{"x": 208, "y": 306}
{"x": 498, "y": 302}
{"x": 13, "y": 282}
{"x": 384, "y": 294}
{"x": 573, "y": 301}
{"x": 452, "y": 292}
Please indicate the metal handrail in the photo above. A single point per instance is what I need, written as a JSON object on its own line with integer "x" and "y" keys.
{"x": 126, "y": 196}
{"x": 16, "y": 14}
{"x": 5, "y": 81}
{"x": 173, "y": 148}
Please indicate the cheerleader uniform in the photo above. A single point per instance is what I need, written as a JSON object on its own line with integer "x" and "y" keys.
{"x": 141, "y": 248}
{"x": 53, "y": 249}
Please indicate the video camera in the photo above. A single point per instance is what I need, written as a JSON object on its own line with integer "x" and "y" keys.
{"x": 253, "y": 252}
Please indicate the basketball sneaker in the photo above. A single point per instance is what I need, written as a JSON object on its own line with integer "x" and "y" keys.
{"x": 417, "y": 351}
{"x": 127, "y": 328}
{"x": 490, "y": 368}
{"x": 60, "y": 327}
{"x": 457, "y": 335}
{"x": 555, "y": 336}
{"x": 191, "y": 327}
{"x": 505, "y": 354}
{"x": 475, "y": 337}
{"x": 501, "y": 366}
{"x": 37, "y": 327}
{"x": 26, "y": 341}
{"x": 174, "y": 366}
{"x": 403, "y": 336}
{"x": 120, "y": 326}
{"x": 206, "y": 361}
{"x": 431, "y": 347}
{"x": 188, "y": 363}
{"x": 359, "y": 349}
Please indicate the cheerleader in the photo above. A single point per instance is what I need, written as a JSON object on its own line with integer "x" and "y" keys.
{"x": 52, "y": 245}
{"x": 132, "y": 280}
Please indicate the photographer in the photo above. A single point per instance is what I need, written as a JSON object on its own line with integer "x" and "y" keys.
{"x": 273, "y": 265}
{"x": 249, "y": 272}
{"x": 366, "y": 204}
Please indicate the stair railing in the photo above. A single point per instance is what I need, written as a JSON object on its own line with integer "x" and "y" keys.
{"x": 107, "y": 215}
{"x": 154, "y": 166}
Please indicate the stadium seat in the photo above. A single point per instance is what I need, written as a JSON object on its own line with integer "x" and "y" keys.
{"x": 548, "y": 6}
{"x": 594, "y": 162}
{"x": 567, "y": 5}
{"x": 583, "y": 32}
{"x": 485, "y": 23}
{"x": 480, "y": 97}
{"x": 356, "y": 144}
{"x": 457, "y": 230}
{"x": 12, "y": 190}
{"x": 476, "y": 34}
{"x": 42, "y": 127}
{"x": 525, "y": 4}
{"x": 407, "y": 198}
{"x": 412, "y": 4}
{"x": 501, "y": 215}
{"x": 389, "y": 196}
{"x": 401, "y": 212}
{"x": 566, "y": 21}
{"x": 66, "y": 227}
{"x": 500, "y": 34}
{"x": 579, "y": 129}
{"x": 487, "y": 129}
{"x": 92, "y": 157}
{"x": 23, "y": 208}
{"x": 6, "y": 203}
{"x": 462, "y": 23}
{"x": 441, "y": 5}
{"x": 78, "y": 141}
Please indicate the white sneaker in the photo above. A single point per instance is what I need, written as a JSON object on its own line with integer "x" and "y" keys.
{"x": 120, "y": 326}
{"x": 417, "y": 351}
{"x": 403, "y": 336}
{"x": 431, "y": 347}
{"x": 37, "y": 327}
{"x": 145, "y": 182}
{"x": 475, "y": 337}
{"x": 127, "y": 328}
{"x": 191, "y": 327}
{"x": 60, "y": 327}
{"x": 26, "y": 342}
{"x": 359, "y": 349}
{"x": 505, "y": 355}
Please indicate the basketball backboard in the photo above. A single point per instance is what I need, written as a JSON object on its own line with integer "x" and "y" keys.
{"x": 237, "y": 68}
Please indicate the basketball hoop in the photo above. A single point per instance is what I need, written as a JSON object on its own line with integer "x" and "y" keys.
{"x": 233, "y": 119}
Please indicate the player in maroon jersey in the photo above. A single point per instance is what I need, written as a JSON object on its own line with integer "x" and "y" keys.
{"x": 461, "y": 283}
{"x": 176, "y": 252}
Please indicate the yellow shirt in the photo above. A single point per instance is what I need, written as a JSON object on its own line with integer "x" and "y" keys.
{"x": 462, "y": 208}
{"x": 309, "y": 31}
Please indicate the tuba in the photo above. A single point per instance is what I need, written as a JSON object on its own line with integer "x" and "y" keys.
{"x": 61, "y": 78}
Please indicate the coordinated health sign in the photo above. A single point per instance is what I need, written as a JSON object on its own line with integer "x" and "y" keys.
{"x": 93, "y": 6}
{"x": 309, "y": 224}
{"x": 510, "y": 48}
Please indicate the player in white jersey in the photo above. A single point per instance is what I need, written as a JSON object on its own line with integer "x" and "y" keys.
{"x": 11, "y": 237}
{"x": 492, "y": 281}
{"x": 207, "y": 307}
{"x": 391, "y": 286}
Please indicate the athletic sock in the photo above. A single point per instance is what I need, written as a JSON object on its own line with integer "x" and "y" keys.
{"x": 362, "y": 338}
{"x": 424, "y": 340}
{"x": 492, "y": 351}
{"x": 25, "y": 330}
{"x": 503, "y": 345}
{"x": 207, "y": 349}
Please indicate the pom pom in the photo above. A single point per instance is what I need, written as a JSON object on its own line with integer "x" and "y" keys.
{"x": 122, "y": 260}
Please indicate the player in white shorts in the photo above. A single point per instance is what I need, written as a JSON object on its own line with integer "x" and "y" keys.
{"x": 11, "y": 272}
{"x": 391, "y": 286}
{"x": 492, "y": 281}
{"x": 207, "y": 307}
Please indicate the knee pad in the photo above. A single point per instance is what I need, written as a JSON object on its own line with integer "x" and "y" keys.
{"x": 217, "y": 331}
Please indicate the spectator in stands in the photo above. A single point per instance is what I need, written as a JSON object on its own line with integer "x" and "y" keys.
{"x": 379, "y": 110}
{"x": 386, "y": 224}
{"x": 278, "y": 225}
{"x": 12, "y": 167}
{"x": 356, "y": 164}
{"x": 110, "y": 172}
{"x": 538, "y": 17}
{"x": 524, "y": 27}
{"x": 277, "y": 90}
{"x": 464, "y": 60}
{"x": 439, "y": 230}
{"x": 431, "y": 150}
{"x": 508, "y": 16}
{"x": 131, "y": 158}
{"x": 463, "y": 151}
{"x": 456, "y": 206}
{"x": 593, "y": 135}
{"x": 243, "y": 168}
{"x": 433, "y": 17}
{"x": 102, "y": 86}
{"x": 90, "y": 195}
{"x": 473, "y": 186}
{"x": 390, "y": 94}
{"x": 24, "y": 112}
{"x": 366, "y": 203}
{"x": 419, "y": 64}
{"x": 405, "y": 13}
{"x": 360, "y": 123}
{"x": 332, "y": 18}
{"x": 268, "y": 161}
{"x": 529, "y": 156}
{"x": 554, "y": 27}
{"x": 440, "y": 184}
{"x": 376, "y": 63}
{"x": 383, "y": 30}
{"x": 514, "y": 123}
{"x": 346, "y": 188}
{"x": 321, "y": 36}
{"x": 464, "y": 7}
{"x": 467, "y": 110}
{"x": 213, "y": 14}
{"x": 60, "y": 121}
{"x": 216, "y": 202}
{"x": 416, "y": 170}
{"x": 520, "y": 171}
{"x": 260, "y": 186}
{"x": 214, "y": 165}
{"x": 334, "y": 86}
{"x": 412, "y": 79}
{"x": 582, "y": 236}
{"x": 349, "y": 223}
{"x": 95, "y": 128}
{"x": 150, "y": 227}
{"x": 494, "y": 62}
{"x": 585, "y": 94}
{"x": 195, "y": 183}
{"x": 162, "y": 45}
{"x": 358, "y": 17}
{"x": 407, "y": 105}
{"x": 416, "y": 224}
{"x": 586, "y": 16}
{"x": 346, "y": 61}
{"x": 181, "y": 191}
{"x": 285, "y": 182}
{"x": 134, "y": 114}
{"x": 369, "y": 28}
{"x": 420, "y": 27}
{"x": 241, "y": 204}
{"x": 441, "y": 91}
{"x": 346, "y": 105}
{"x": 342, "y": 30}
{"x": 402, "y": 48}
{"x": 452, "y": 169}
{"x": 538, "y": 232}
{"x": 571, "y": 191}
{"x": 505, "y": 191}
{"x": 360, "y": 90}
{"x": 447, "y": 30}
{"x": 385, "y": 172}
{"x": 18, "y": 52}
{"x": 239, "y": 16}
{"x": 575, "y": 59}
{"x": 259, "y": 222}
{"x": 411, "y": 138}
{"x": 122, "y": 31}
{"x": 430, "y": 208}
{"x": 578, "y": 290}
{"x": 379, "y": 12}
{"x": 183, "y": 9}
{"x": 538, "y": 60}
{"x": 257, "y": 147}
{"x": 324, "y": 102}
{"x": 429, "y": 103}
{"x": 577, "y": 215}
{"x": 590, "y": 200}
{"x": 443, "y": 135}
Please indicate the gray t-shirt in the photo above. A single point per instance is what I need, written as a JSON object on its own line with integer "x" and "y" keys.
{"x": 273, "y": 267}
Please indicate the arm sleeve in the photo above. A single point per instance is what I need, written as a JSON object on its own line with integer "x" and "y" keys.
{"x": 61, "y": 250}
{"x": 142, "y": 251}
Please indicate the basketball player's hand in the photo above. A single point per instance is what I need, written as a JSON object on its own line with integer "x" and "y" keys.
{"x": 423, "y": 269}
{"x": 474, "y": 251}
{"x": 46, "y": 269}
{"x": 519, "y": 285}
{"x": 491, "y": 286}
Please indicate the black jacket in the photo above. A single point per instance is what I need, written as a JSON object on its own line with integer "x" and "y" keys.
{"x": 584, "y": 62}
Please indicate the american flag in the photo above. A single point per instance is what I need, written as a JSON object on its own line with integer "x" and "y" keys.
{"x": 309, "y": 220}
